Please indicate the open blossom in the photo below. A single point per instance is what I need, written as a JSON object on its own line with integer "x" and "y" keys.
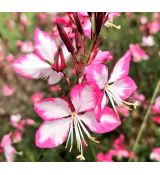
{"x": 64, "y": 118}
{"x": 138, "y": 53}
{"x": 118, "y": 87}
{"x": 99, "y": 57}
{"x": 119, "y": 151}
{"x": 8, "y": 149}
{"x": 154, "y": 27}
{"x": 155, "y": 154}
{"x": 39, "y": 64}
{"x": 17, "y": 122}
{"x": 148, "y": 41}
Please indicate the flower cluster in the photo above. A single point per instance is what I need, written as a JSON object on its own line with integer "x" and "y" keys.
{"x": 71, "y": 56}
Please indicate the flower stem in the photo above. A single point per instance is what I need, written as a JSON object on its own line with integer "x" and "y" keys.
{"x": 146, "y": 117}
{"x": 41, "y": 155}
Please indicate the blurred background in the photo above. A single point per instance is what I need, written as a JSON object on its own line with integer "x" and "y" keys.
{"x": 139, "y": 32}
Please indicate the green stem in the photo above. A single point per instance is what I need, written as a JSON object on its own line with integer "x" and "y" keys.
{"x": 89, "y": 51}
{"x": 93, "y": 151}
{"x": 143, "y": 126}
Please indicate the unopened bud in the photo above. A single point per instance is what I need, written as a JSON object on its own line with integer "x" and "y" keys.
{"x": 98, "y": 22}
{"x": 65, "y": 38}
{"x": 78, "y": 23}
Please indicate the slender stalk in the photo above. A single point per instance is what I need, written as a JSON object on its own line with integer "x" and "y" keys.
{"x": 92, "y": 151}
{"x": 41, "y": 155}
{"x": 143, "y": 126}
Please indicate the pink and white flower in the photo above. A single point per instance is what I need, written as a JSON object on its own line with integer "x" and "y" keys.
{"x": 118, "y": 87}
{"x": 39, "y": 63}
{"x": 62, "y": 119}
{"x": 8, "y": 149}
{"x": 119, "y": 151}
{"x": 138, "y": 53}
{"x": 155, "y": 154}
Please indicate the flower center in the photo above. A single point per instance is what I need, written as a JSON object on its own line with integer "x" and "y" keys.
{"x": 77, "y": 127}
{"x": 114, "y": 98}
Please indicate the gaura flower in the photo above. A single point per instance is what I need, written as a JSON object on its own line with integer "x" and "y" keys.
{"x": 118, "y": 87}
{"x": 39, "y": 63}
{"x": 119, "y": 151}
{"x": 63, "y": 119}
{"x": 8, "y": 149}
{"x": 138, "y": 53}
{"x": 155, "y": 154}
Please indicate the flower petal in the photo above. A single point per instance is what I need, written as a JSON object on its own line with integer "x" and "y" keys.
{"x": 101, "y": 57}
{"x": 108, "y": 121}
{"x": 101, "y": 104}
{"x": 52, "y": 108}
{"x": 32, "y": 67}
{"x": 84, "y": 97}
{"x": 52, "y": 133}
{"x": 55, "y": 78}
{"x": 124, "y": 87}
{"x": 45, "y": 46}
{"x": 97, "y": 73}
{"x": 121, "y": 67}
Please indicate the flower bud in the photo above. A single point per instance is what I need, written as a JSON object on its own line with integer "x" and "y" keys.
{"x": 78, "y": 23}
{"x": 65, "y": 38}
{"x": 98, "y": 22}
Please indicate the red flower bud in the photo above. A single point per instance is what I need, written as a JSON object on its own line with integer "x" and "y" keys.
{"x": 99, "y": 21}
{"x": 65, "y": 38}
{"x": 78, "y": 23}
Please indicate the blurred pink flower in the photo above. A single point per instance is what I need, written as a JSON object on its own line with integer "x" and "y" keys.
{"x": 24, "y": 19}
{"x": 17, "y": 136}
{"x": 156, "y": 111}
{"x": 156, "y": 119}
{"x": 10, "y": 57}
{"x": 17, "y": 122}
{"x": 156, "y": 106}
{"x": 37, "y": 96}
{"x": 7, "y": 90}
{"x": 139, "y": 98}
{"x": 119, "y": 151}
{"x": 138, "y": 53}
{"x": 8, "y": 149}
{"x": 148, "y": 41}
{"x": 154, "y": 27}
{"x": 55, "y": 88}
{"x": 155, "y": 154}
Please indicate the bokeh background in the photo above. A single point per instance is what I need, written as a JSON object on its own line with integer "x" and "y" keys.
{"x": 17, "y": 94}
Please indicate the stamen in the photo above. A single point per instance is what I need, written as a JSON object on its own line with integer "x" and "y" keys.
{"x": 77, "y": 126}
{"x": 114, "y": 97}
{"x": 110, "y": 24}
